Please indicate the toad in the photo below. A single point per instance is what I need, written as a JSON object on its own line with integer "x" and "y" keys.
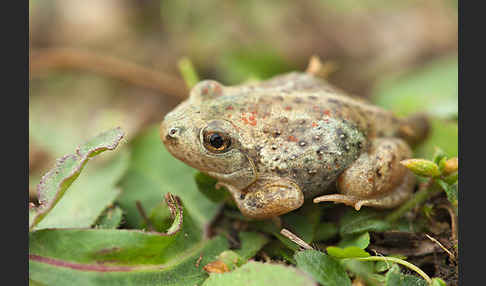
{"x": 293, "y": 137}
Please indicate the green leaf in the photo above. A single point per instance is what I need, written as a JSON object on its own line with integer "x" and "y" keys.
{"x": 395, "y": 278}
{"x": 89, "y": 195}
{"x": 123, "y": 257}
{"x": 260, "y": 274}
{"x": 56, "y": 182}
{"x": 251, "y": 243}
{"x": 111, "y": 218}
{"x": 348, "y": 252}
{"x": 422, "y": 167}
{"x": 323, "y": 268}
{"x": 355, "y": 222}
{"x": 359, "y": 240}
{"x": 154, "y": 171}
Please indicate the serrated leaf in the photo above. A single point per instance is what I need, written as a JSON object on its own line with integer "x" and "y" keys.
{"x": 422, "y": 167}
{"x": 92, "y": 192}
{"x": 347, "y": 252}
{"x": 359, "y": 240}
{"x": 154, "y": 171}
{"x": 56, "y": 182}
{"x": 123, "y": 257}
{"x": 323, "y": 268}
{"x": 260, "y": 274}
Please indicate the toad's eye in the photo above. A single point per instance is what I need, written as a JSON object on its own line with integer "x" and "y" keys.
{"x": 217, "y": 142}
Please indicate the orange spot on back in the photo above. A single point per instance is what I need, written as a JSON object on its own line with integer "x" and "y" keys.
{"x": 288, "y": 108}
{"x": 292, "y": 138}
{"x": 314, "y": 124}
{"x": 229, "y": 107}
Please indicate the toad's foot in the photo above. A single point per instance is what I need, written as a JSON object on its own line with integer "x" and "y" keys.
{"x": 376, "y": 178}
{"x": 267, "y": 199}
{"x": 400, "y": 194}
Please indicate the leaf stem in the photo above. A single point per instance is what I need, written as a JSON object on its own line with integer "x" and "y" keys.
{"x": 399, "y": 261}
{"x": 427, "y": 191}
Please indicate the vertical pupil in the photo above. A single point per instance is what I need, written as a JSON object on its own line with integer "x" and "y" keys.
{"x": 216, "y": 140}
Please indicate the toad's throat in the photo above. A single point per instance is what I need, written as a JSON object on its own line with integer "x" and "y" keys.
{"x": 240, "y": 179}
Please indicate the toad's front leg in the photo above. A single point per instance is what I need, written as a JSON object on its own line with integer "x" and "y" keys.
{"x": 267, "y": 198}
{"x": 376, "y": 178}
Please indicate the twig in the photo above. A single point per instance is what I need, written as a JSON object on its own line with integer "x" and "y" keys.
{"x": 453, "y": 216}
{"x": 451, "y": 255}
{"x": 295, "y": 239}
{"x": 63, "y": 58}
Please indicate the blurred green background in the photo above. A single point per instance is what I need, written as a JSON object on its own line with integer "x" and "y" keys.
{"x": 85, "y": 58}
